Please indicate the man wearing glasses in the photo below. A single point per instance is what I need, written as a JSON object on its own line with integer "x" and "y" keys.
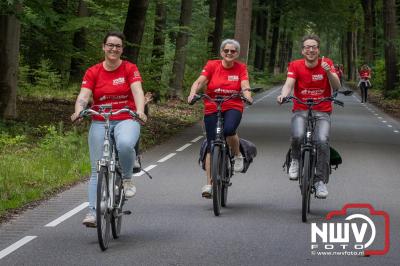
{"x": 311, "y": 78}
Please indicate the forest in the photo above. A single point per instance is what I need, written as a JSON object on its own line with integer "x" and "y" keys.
{"x": 46, "y": 45}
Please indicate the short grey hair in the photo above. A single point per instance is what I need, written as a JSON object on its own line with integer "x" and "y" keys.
{"x": 230, "y": 41}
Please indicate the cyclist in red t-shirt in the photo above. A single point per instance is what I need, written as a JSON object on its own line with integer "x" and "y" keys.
{"x": 339, "y": 72}
{"x": 311, "y": 77}
{"x": 117, "y": 82}
{"x": 223, "y": 78}
{"x": 364, "y": 83}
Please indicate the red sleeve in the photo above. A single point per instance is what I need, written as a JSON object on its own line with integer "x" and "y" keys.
{"x": 208, "y": 70}
{"x": 89, "y": 79}
{"x": 243, "y": 73}
{"x": 291, "y": 71}
{"x": 133, "y": 74}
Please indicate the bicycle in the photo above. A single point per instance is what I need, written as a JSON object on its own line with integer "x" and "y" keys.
{"x": 110, "y": 191}
{"x": 308, "y": 148}
{"x": 221, "y": 158}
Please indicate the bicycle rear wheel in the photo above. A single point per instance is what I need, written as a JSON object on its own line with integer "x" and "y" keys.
{"x": 216, "y": 179}
{"x": 116, "y": 217}
{"x": 103, "y": 214}
{"x": 305, "y": 186}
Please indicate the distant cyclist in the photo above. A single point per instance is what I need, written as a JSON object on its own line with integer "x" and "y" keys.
{"x": 311, "y": 78}
{"x": 117, "y": 82}
{"x": 223, "y": 78}
{"x": 364, "y": 84}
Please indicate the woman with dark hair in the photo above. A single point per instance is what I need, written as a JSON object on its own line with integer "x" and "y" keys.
{"x": 117, "y": 82}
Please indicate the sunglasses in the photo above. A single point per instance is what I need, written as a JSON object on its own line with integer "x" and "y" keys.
{"x": 229, "y": 50}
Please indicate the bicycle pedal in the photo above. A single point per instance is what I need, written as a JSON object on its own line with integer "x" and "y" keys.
{"x": 230, "y": 184}
{"x": 127, "y": 212}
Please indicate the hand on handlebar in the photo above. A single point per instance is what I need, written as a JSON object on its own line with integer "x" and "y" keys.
{"x": 142, "y": 116}
{"x": 76, "y": 118}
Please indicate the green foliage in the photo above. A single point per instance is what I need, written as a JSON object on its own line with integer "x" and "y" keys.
{"x": 378, "y": 76}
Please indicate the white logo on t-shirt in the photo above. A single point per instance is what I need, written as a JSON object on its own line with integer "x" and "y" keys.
{"x": 119, "y": 81}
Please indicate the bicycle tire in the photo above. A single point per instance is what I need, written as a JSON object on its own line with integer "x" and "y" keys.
{"x": 102, "y": 212}
{"x": 305, "y": 186}
{"x": 216, "y": 179}
{"x": 225, "y": 184}
{"x": 116, "y": 217}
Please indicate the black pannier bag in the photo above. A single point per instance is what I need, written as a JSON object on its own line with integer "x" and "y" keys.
{"x": 247, "y": 149}
{"x": 335, "y": 159}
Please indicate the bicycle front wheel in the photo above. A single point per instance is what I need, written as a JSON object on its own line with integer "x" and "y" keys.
{"x": 216, "y": 179}
{"x": 116, "y": 217}
{"x": 225, "y": 184}
{"x": 305, "y": 185}
{"x": 103, "y": 214}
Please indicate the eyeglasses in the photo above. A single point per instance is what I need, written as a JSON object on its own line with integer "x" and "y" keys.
{"x": 310, "y": 47}
{"x": 111, "y": 46}
{"x": 229, "y": 50}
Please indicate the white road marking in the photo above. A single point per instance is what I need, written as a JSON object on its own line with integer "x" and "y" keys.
{"x": 379, "y": 117}
{"x": 148, "y": 168}
{"x": 166, "y": 157}
{"x": 384, "y": 121}
{"x": 196, "y": 139}
{"x": 389, "y": 125}
{"x": 395, "y": 131}
{"x": 184, "y": 147}
{"x": 16, "y": 246}
{"x": 67, "y": 215}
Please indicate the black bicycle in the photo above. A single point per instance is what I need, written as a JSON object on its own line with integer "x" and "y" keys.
{"x": 110, "y": 191}
{"x": 307, "y": 167}
{"x": 221, "y": 157}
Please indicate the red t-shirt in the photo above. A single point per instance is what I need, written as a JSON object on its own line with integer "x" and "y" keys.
{"x": 223, "y": 82}
{"x": 112, "y": 87}
{"x": 365, "y": 73}
{"x": 311, "y": 83}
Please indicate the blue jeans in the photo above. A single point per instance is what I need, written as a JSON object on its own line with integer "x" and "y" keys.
{"x": 126, "y": 134}
{"x": 321, "y": 138}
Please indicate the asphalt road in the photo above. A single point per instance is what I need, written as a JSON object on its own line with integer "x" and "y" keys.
{"x": 172, "y": 225}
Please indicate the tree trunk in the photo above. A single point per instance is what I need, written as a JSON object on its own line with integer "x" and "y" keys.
{"x": 10, "y": 28}
{"x": 79, "y": 44}
{"x": 261, "y": 35}
{"x": 389, "y": 19}
{"x": 243, "y": 27}
{"x": 134, "y": 28}
{"x": 157, "y": 54}
{"x": 350, "y": 62}
{"x": 178, "y": 69}
{"x": 275, "y": 19}
{"x": 216, "y": 14}
{"x": 368, "y": 51}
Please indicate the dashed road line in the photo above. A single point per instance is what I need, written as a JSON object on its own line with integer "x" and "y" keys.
{"x": 166, "y": 157}
{"x": 67, "y": 215}
{"x": 184, "y": 147}
{"x": 196, "y": 139}
{"x": 16, "y": 246}
{"x": 148, "y": 168}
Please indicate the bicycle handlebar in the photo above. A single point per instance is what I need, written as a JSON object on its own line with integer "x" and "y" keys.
{"x": 89, "y": 112}
{"x": 221, "y": 99}
{"x": 311, "y": 102}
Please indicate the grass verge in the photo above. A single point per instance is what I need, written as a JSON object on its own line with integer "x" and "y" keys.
{"x": 43, "y": 156}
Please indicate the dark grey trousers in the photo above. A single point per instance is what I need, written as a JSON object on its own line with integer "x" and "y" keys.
{"x": 321, "y": 138}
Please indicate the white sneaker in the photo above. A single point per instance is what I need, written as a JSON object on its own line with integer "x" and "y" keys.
{"x": 90, "y": 219}
{"x": 129, "y": 188}
{"x": 206, "y": 191}
{"x": 136, "y": 163}
{"x": 321, "y": 191}
{"x": 294, "y": 169}
{"x": 239, "y": 164}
